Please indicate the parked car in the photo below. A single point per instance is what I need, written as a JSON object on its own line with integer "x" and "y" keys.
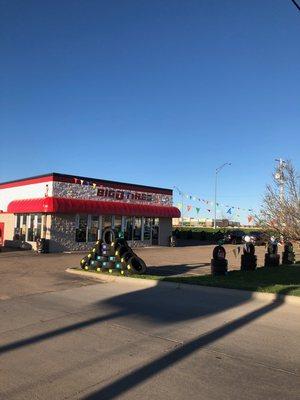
{"x": 259, "y": 238}
{"x": 234, "y": 237}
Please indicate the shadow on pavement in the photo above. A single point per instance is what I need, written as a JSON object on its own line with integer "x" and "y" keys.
{"x": 169, "y": 270}
{"x": 159, "y": 305}
{"x": 138, "y": 376}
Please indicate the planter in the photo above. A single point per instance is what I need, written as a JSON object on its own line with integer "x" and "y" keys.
{"x": 219, "y": 267}
{"x": 248, "y": 262}
{"x": 272, "y": 260}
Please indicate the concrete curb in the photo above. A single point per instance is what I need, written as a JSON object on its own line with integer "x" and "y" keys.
{"x": 268, "y": 297}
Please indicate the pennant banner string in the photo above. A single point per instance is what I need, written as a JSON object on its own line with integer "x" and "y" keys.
{"x": 211, "y": 203}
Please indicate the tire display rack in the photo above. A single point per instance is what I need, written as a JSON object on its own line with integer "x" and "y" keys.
{"x": 113, "y": 254}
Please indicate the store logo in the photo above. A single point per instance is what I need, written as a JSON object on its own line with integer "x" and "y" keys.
{"x": 124, "y": 195}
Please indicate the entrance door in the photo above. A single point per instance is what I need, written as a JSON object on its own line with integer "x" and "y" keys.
{"x": 155, "y": 231}
{"x": 1, "y": 233}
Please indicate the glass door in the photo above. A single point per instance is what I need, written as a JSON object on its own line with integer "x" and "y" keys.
{"x": 155, "y": 231}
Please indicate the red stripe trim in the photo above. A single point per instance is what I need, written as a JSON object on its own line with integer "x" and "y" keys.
{"x": 74, "y": 206}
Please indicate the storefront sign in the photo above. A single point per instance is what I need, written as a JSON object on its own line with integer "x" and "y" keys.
{"x": 106, "y": 193}
{"x": 124, "y": 195}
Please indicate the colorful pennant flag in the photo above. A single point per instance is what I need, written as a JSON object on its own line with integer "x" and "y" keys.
{"x": 230, "y": 209}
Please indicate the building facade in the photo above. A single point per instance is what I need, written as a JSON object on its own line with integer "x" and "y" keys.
{"x": 71, "y": 211}
{"x": 204, "y": 222}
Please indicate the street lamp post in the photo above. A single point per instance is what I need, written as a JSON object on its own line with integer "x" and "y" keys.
{"x": 216, "y": 181}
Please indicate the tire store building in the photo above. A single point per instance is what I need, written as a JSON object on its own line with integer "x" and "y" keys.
{"x": 71, "y": 212}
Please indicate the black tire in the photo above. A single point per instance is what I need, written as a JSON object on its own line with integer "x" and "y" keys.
{"x": 249, "y": 249}
{"x": 216, "y": 251}
{"x": 288, "y": 258}
{"x": 102, "y": 258}
{"x": 84, "y": 262}
{"x": 137, "y": 265}
{"x": 126, "y": 257}
{"x": 105, "y": 265}
{"x": 121, "y": 241}
{"x": 98, "y": 247}
{"x": 92, "y": 255}
{"x": 248, "y": 262}
{"x": 95, "y": 264}
{"x": 219, "y": 267}
{"x": 272, "y": 260}
{"x": 108, "y": 236}
{"x": 121, "y": 250}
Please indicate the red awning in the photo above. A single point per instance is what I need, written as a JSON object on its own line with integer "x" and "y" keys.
{"x": 74, "y": 206}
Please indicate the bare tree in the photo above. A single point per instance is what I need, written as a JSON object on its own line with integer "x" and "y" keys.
{"x": 281, "y": 205}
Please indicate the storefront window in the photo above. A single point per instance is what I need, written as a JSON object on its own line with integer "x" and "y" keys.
{"x": 18, "y": 221}
{"x": 137, "y": 231}
{"x": 81, "y": 228}
{"x": 38, "y": 230}
{"x": 23, "y": 227}
{"x": 31, "y": 227}
{"x": 147, "y": 228}
{"x": 107, "y": 221}
{"x": 128, "y": 228}
{"x": 118, "y": 222}
{"x": 18, "y": 228}
{"x": 93, "y": 229}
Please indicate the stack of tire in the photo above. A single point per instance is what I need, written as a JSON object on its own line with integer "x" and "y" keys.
{"x": 112, "y": 253}
{"x": 288, "y": 255}
{"x": 248, "y": 259}
{"x": 272, "y": 258}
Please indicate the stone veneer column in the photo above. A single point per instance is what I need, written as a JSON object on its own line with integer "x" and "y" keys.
{"x": 165, "y": 230}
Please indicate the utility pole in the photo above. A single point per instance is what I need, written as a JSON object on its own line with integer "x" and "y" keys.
{"x": 279, "y": 176}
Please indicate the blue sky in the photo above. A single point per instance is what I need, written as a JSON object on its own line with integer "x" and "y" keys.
{"x": 152, "y": 92}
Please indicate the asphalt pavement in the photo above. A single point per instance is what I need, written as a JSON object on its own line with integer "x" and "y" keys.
{"x": 66, "y": 337}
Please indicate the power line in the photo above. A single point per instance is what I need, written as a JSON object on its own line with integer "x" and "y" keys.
{"x": 296, "y": 4}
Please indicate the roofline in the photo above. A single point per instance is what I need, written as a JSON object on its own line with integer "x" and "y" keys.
{"x": 27, "y": 178}
{"x": 68, "y": 176}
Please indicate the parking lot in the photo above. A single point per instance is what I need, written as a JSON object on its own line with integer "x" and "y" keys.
{"x": 25, "y": 272}
{"x": 59, "y": 330}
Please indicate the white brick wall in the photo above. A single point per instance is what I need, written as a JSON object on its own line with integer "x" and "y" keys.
{"x": 32, "y": 191}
